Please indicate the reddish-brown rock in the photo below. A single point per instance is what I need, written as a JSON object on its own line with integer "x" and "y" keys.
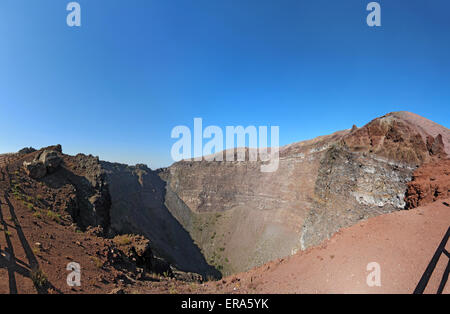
{"x": 431, "y": 182}
{"x": 401, "y": 136}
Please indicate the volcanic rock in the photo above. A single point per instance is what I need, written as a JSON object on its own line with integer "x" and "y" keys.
{"x": 46, "y": 162}
{"x": 430, "y": 182}
{"x": 51, "y": 160}
{"x": 26, "y": 150}
{"x": 208, "y": 217}
{"x": 35, "y": 169}
{"x": 241, "y": 217}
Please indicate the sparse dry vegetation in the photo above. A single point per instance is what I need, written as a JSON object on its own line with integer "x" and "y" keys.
{"x": 54, "y": 216}
{"x": 97, "y": 262}
{"x": 122, "y": 239}
{"x": 39, "y": 278}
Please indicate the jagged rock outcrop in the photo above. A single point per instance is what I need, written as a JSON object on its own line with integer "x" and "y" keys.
{"x": 91, "y": 201}
{"x": 26, "y": 150}
{"x": 77, "y": 183}
{"x": 389, "y": 137}
{"x": 401, "y": 136}
{"x": 435, "y": 146}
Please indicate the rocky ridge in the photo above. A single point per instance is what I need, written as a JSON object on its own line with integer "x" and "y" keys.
{"x": 63, "y": 214}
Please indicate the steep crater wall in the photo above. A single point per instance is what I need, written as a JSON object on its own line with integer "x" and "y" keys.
{"x": 138, "y": 206}
{"x": 238, "y": 215}
{"x": 350, "y": 187}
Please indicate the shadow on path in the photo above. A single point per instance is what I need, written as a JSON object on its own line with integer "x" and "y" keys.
{"x": 8, "y": 260}
{"x": 421, "y": 286}
{"x": 13, "y": 267}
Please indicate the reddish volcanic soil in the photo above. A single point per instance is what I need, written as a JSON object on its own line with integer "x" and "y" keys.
{"x": 40, "y": 243}
{"x": 403, "y": 244}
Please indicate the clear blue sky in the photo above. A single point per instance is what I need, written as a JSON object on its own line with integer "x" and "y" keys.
{"x": 137, "y": 68}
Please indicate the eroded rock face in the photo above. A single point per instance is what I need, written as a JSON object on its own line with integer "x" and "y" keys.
{"x": 401, "y": 136}
{"x": 91, "y": 204}
{"x": 350, "y": 187}
{"x": 240, "y": 216}
{"x": 430, "y": 183}
{"x": 436, "y": 146}
{"x": 390, "y": 138}
{"x": 372, "y": 181}
{"x": 368, "y": 172}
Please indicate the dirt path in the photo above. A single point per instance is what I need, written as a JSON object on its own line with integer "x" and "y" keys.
{"x": 17, "y": 259}
{"x": 402, "y": 243}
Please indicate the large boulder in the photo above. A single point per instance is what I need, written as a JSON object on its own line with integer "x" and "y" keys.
{"x": 51, "y": 160}
{"x": 46, "y": 162}
{"x": 35, "y": 169}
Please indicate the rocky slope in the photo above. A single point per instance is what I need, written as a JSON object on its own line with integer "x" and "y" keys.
{"x": 56, "y": 209}
{"x": 241, "y": 217}
{"x": 137, "y": 206}
{"x": 402, "y": 243}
